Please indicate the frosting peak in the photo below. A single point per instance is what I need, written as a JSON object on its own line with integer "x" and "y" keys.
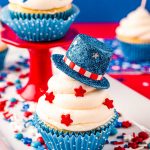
{"x": 135, "y": 25}
{"x": 85, "y": 110}
{"x": 41, "y": 4}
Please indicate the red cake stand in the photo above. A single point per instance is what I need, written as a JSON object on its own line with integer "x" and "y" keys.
{"x": 40, "y": 62}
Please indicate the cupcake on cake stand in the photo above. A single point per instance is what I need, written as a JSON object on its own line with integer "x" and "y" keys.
{"x": 38, "y": 35}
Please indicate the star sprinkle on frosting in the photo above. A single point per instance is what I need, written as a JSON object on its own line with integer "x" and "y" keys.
{"x": 66, "y": 119}
{"x": 79, "y": 92}
{"x": 49, "y": 97}
{"x": 108, "y": 103}
{"x": 95, "y": 55}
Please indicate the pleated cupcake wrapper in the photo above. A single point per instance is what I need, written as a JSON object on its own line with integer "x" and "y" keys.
{"x": 2, "y": 58}
{"x": 93, "y": 140}
{"x": 135, "y": 52}
{"x": 61, "y": 15}
{"x": 38, "y": 30}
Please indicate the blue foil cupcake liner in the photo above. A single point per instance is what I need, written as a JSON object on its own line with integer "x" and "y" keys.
{"x": 135, "y": 52}
{"x": 39, "y": 30}
{"x": 93, "y": 140}
{"x": 2, "y": 58}
{"x": 61, "y": 15}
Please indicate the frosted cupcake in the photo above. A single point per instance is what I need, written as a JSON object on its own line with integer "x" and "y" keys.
{"x": 134, "y": 35}
{"x": 40, "y": 20}
{"x": 76, "y": 111}
{"x": 40, "y": 9}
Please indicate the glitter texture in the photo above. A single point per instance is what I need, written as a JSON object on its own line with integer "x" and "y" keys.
{"x": 81, "y": 52}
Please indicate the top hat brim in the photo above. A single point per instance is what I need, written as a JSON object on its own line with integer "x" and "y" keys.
{"x": 60, "y": 64}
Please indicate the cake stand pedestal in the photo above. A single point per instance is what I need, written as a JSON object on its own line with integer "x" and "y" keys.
{"x": 40, "y": 61}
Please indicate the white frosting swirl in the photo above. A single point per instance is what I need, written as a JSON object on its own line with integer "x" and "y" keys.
{"x": 135, "y": 25}
{"x": 42, "y": 4}
{"x": 87, "y": 112}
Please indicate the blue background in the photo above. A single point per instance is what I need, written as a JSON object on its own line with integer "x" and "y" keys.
{"x": 102, "y": 10}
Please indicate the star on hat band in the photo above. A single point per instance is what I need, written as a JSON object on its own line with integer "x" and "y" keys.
{"x": 81, "y": 70}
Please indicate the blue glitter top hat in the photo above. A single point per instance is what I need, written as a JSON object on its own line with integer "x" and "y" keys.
{"x": 86, "y": 60}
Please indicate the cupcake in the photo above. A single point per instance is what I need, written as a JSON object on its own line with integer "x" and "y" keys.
{"x": 76, "y": 112}
{"x": 133, "y": 34}
{"x": 40, "y": 20}
{"x": 59, "y": 9}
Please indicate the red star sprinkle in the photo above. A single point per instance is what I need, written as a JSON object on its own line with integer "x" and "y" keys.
{"x": 79, "y": 92}
{"x": 137, "y": 140}
{"x": 126, "y": 124}
{"x": 133, "y": 145}
{"x": 2, "y": 89}
{"x": 9, "y": 83}
{"x": 65, "y": 119}
{"x": 143, "y": 135}
{"x": 108, "y": 103}
{"x": 50, "y": 97}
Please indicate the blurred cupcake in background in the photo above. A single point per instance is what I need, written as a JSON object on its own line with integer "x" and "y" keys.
{"x": 76, "y": 112}
{"x": 40, "y": 9}
{"x": 40, "y": 20}
{"x": 133, "y": 34}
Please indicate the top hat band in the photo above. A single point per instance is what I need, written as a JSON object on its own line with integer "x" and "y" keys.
{"x": 82, "y": 71}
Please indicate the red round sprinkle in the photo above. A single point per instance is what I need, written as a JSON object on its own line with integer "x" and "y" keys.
{"x": 117, "y": 142}
{"x": 126, "y": 124}
{"x": 27, "y": 114}
{"x": 65, "y": 119}
{"x": 79, "y": 92}
{"x": 1, "y": 78}
{"x": 108, "y": 103}
{"x": 143, "y": 135}
{"x": 2, "y": 105}
{"x": 18, "y": 69}
{"x": 2, "y": 89}
{"x": 40, "y": 139}
{"x": 49, "y": 97}
{"x": 28, "y": 144}
{"x": 133, "y": 145}
{"x": 9, "y": 83}
{"x": 24, "y": 75}
{"x": 119, "y": 148}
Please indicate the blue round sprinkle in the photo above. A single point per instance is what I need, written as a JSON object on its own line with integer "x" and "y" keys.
{"x": 126, "y": 146}
{"x": 26, "y": 140}
{"x": 118, "y": 124}
{"x": 18, "y": 86}
{"x": 120, "y": 137}
{"x": 114, "y": 131}
{"x": 12, "y": 68}
{"x": 148, "y": 146}
{"x": 26, "y": 107}
{"x": 35, "y": 144}
{"x": 4, "y": 74}
{"x": 17, "y": 81}
{"x": 13, "y": 100}
{"x": 19, "y": 136}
